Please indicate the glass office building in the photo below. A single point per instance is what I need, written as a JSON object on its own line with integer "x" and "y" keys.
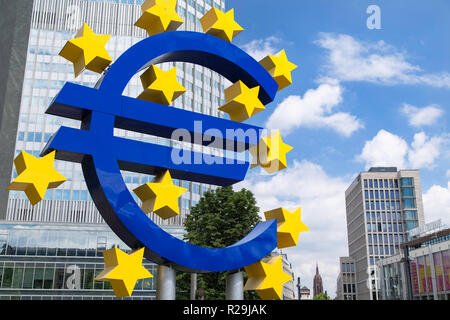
{"x": 427, "y": 276}
{"x": 69, "y": 208}
{"x": 382, "y": 204}
{"x": 54, "y": 22}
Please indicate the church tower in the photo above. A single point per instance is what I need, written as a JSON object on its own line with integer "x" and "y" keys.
{"x": 317, "y": 283}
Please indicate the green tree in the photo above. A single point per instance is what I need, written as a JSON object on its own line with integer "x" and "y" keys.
{"x": 321, "y": 296}
{"x": 221, "y": 218}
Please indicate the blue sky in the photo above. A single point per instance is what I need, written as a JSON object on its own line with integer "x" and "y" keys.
{"x": 360, "y": 97}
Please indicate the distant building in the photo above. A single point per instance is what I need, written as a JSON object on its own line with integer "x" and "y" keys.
{"x": 382, "y": 204}
{"x": 317, "y": 283}
{"x": 346, "y": 281}
{"x": 288, "y": 287}
{"x": 424, "y": 275}
{"x": 305, "y": 293}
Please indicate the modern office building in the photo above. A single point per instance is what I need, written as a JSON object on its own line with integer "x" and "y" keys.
{"x": 288, "y": 292}
{"x": 382, "y": 204}
{"x": 317, "y": 282}
{"x": 420, "y": 271}
{"x": 346, "y": 281}
{"x": 39, "y": 38}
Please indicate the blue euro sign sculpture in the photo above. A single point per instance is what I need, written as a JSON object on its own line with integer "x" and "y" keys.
{"x": 102, "y": 155}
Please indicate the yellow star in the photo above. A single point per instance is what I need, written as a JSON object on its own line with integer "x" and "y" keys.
{"x": 220, "y": 24}
{"x": 160, "y": 196}
{"x": 289, "y": 226}
{"x": 267, "y": 278}
{"x": 270, "y": 153}
{"x": 280, "y": 68}
{"x": 35, "y": 176}
{"x": 87, "y": 51}
{"x": 123, "y": 270}
{"x": 160, "y": 86}
{"x": 241, "y": 102}
{"x": 159, "y": 16}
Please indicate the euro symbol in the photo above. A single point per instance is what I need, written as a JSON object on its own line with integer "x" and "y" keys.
{"x": 102, "y": 155}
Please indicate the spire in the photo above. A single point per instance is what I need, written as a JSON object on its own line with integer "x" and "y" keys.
{"x": 317, "y": 268}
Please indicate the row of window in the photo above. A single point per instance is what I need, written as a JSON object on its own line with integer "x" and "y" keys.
{"x": 349, "y": 288}
{"x": 384, "y": 227}
{"x": 348, "y": 267}
{"x": 383, "y": 216}
{"x": 388, "y": 205}
{"x": 33, "y": 136}
{"x": 383, "y": 238}
{"x": 59, "y": 276}
{"x": 379, "y": 183}
{"x": 388, "y": 183}
{"x": 387, "y": 250}
{"x": 379, "y": 194}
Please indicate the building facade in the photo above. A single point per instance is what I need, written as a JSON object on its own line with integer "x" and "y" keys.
{"x": 317, "y": 283}
{"x": 346, "y": 281}
{"x": 53, "y": 23}
{"x": 382, "y": 204}
{"x": 50, "y": 24}
{"x": 305, "y": 293}
{"x": 421, "y": 271}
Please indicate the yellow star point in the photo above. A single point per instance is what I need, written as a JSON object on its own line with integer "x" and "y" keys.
{"x": 35, "y": 176}
{"x": 289, "y": 226}
{"x": 270, "y": 153}
{"x": 87, "y": 51}
{"x": 267, "y": 278}
{"x": 280, "y": 68}
{"x": 123, "y": 270}
{"x": 160, "y": 196}
{"x": 241, "y": 102}
{"x": 159, "y": 16}
{"x": 160, "y": 86}
{"x": 220, "y": 24}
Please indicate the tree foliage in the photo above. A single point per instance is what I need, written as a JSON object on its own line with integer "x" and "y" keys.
{"x": 321, "y": 296}
{"x": 221, "y": 218}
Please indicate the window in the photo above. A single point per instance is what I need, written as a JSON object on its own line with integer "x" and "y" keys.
{"x": 369, "y": 227}
{"x": 343, "y": 267}
{"x": 365, "y": 183}
{"x": 376, "y": 194}
{"x": 370, "y": 183}
{"x": 390, "y": 227}
{"x": 391, "y": 185}
{"x": 400, "y": 227}
{"x": 406, "y": 182}
{"x": 370, "y": 249}
{"x": 367, "y": 205}
{"x": 374, "y": 238}
{"x": 375, "y": 183}
{"x": 367, "y": 216}
{"x": 408, "y": 203}
{"x": 369, "y": 238}
{"x": 408, "y": 192}
{"x": 385, "y": 183}
{"x": 366, "y": 193}
{"x": 395, "y": 227}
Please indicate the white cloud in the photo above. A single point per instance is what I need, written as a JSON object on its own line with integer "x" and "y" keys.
{"x": 261, "y": 48}
{"x": 418, "y": 117}
{"x": 387, "y": 149}
{"x": 322, "y": 199}
{"x": 436, "y": 203}
{"x": 424, "y": 150}
{"x": 314, "y": 110}
{"x": 377, "y": 62}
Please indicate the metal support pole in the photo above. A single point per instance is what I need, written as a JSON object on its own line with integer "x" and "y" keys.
{"x": 165, "y": 283}
{"x": 234, "y": 286}
{"x": 193, "y": 285}
{"x": 408, "y": 275}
